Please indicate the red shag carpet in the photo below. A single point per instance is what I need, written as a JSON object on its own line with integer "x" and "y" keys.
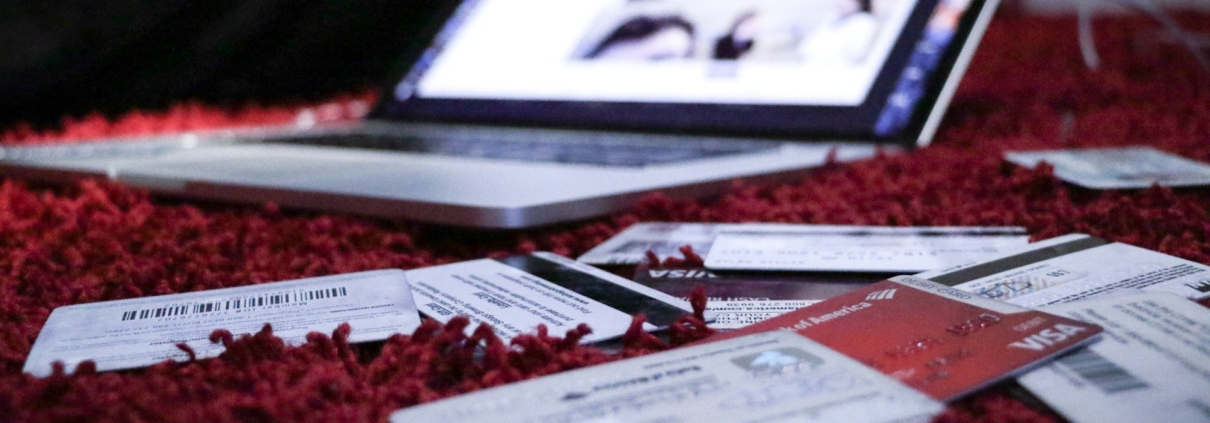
{"x": 95, "y": 241}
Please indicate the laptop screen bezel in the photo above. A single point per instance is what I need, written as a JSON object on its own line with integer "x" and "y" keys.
{"x": 669, "y": 118}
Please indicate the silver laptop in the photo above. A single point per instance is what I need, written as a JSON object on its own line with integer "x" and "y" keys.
{"x": 520, "y": 113}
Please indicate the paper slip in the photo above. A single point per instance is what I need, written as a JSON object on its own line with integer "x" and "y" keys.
{"x": 1074, "y": 267}
{"x": 859, "y": 248}
{"x": 1152, "y": 365}
{"x": 769, "y": 377}
{"x": 739, "y": 299}
{"x": 1117, "y": 168}
{"x": 139, "y": 332}
{"x": 941, "y": 341}
{"x": 665, "y": 239}
{"x": 518, "y": 293}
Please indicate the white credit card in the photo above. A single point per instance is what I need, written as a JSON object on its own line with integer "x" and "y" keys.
{"x": 139, "y": 332}
{"x": 1117, "y": 168}
{"x": 1152, "y": 364}
{"x": 664, "y": 239}
{"x": 1074, "y": 267}
{"x": 516, "y": 294}
{"x": 767, "y": 377}
{"x": 859, "y": 248}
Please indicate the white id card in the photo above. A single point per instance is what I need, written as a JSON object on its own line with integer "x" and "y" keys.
{"x": 766, "y": 377}
{"x": 516, "y": 294}
{"x": 1074, "y": 267}
{"x": 1152, "y": 364}
{"x": 1117, "y": 168}
{"x": 859, "y": 248}
{"x": 664, "y": 239}
{"x": 139, "y": 332}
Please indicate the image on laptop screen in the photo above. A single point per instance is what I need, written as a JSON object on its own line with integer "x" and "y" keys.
{"x": 840, "y": 68}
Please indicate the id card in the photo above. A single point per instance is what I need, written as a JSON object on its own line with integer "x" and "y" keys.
{"x": 140, "y": 332}
{"x": 1075, "y": 267}
{"x": 941, "y": 341}
{"x": 630, "y": 246}
{"x": 1153, "y": 365}
{"x": 518, "y": 293}
{"x": 768, "y": 377}
{"x": 738, "y": 299}
{"x": 1117, "y": 168}
{"x": 858, "y": 248}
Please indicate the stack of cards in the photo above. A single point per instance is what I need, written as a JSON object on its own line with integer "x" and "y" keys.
{"x": 816, "y": 334}
{"x": 756, "y": 271}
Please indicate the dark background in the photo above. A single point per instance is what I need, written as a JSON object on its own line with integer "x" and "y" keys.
{"x": 69, "y": 58}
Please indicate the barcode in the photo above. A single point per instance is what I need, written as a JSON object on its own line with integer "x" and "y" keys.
{"x": 237, "y": 303}
{"x": 1102, "y": 373}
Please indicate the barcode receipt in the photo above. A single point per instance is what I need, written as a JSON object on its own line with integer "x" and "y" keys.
{"x": 139, "y": 332}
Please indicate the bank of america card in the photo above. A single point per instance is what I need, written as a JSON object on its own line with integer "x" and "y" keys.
{"x": 767, "y": 377}
{"x": 875, "y": 249}
{"x": 1117, "y": 168}
{"x": 1074, "y": 267}
{"x": 126, "y": 334}
{"x": 1152, "y": 365}
{"x": 939, "y": 340}
{"x": 738, "y": 299}
{"x": 516, "y": 294}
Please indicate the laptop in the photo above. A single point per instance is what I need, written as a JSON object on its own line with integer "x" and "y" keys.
{"x": 521, "y": 113}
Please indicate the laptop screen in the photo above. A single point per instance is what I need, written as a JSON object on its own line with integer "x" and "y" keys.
{"x": 837, "y": 68}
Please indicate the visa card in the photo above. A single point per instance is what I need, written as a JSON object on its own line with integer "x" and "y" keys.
{"x": 934, "y": 338}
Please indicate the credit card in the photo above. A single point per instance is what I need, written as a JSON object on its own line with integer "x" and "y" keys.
{"x": 1153, "y": 365}
{"x": 766, "y": 377}
{"x": 140, "y": 332}
{"x": 738, "y": 299}
{"x": 516, "y": 294}
{"x": 875, "y": 249}
{"x": 1074, "y": 267}
{"x": 939, "y": 340}
{"x": 664, "y": 239}
{"x": 1117, "y": 168}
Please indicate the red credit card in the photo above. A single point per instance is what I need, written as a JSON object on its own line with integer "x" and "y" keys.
{"x": 936, "y": 339}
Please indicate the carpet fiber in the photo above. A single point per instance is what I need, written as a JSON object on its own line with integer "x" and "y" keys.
{"x": 96, "y": 241}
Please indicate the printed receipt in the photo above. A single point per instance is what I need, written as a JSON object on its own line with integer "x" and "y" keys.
{"x": 1152, "y": 365}
{"x": 139, "y": 332}
{"x": 767, "y": 377}
{"x": 511, "y": 300}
